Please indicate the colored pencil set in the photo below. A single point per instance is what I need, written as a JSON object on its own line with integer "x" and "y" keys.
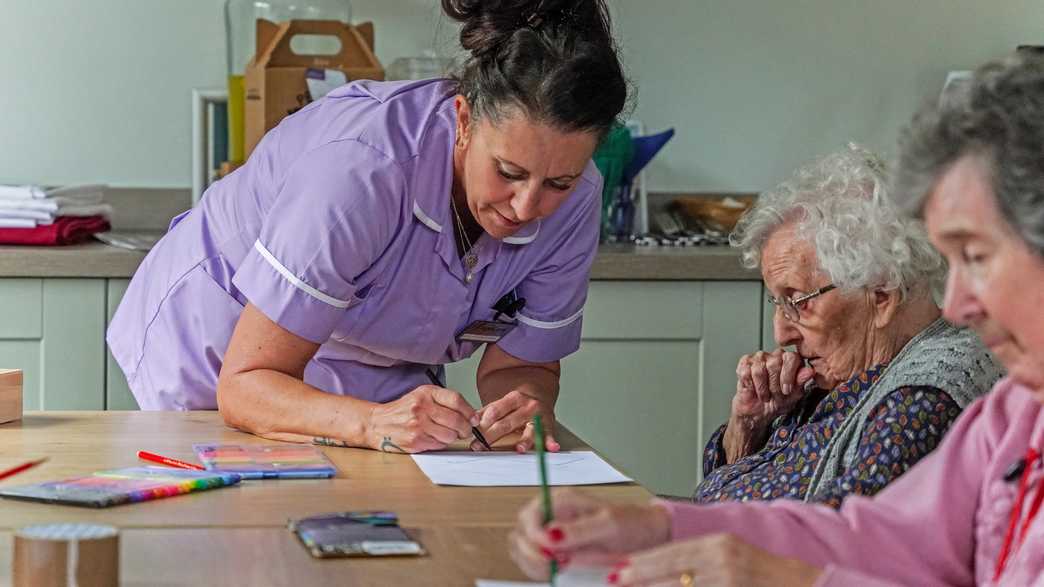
{"x": 225, "y": 465}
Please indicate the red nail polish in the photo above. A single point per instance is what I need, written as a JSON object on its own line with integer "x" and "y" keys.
{"x": 547, "y": 553}
{"x": 556, "y": 534}
{"x": 613, "y": 578}
{"x": 621, "y": 565}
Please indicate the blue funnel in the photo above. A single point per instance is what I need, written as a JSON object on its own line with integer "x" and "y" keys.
{"x": 645, "y": 148}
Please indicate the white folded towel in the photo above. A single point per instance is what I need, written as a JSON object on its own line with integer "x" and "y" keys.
{"x": 24, "y": 213}
{"x": 17, "y": 223}
{"x": 44, "y": 204}
{"x": 29, "y": 206}
{"x": 6, "y": 202}
{"x": 34, "y": 192}
{"x": 22, "y": 192}
{"x": 47, "y": 216}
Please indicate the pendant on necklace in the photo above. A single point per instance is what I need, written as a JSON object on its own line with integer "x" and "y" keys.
{"x": 470, "y": 261}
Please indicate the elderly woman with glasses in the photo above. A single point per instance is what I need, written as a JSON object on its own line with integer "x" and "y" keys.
{"x": 970, "y": 513}
{"x": 875, "y": 377}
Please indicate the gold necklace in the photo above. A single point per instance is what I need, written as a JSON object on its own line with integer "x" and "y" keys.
{"x": 470, "y": 257}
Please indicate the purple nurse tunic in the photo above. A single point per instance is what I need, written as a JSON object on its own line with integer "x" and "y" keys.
{"x": 339, "y": 229}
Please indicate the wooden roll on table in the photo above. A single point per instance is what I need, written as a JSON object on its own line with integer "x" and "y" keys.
{"x": 85, "y": 555}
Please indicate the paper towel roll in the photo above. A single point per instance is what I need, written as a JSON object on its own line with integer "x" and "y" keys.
{"x": 63, "y": 555}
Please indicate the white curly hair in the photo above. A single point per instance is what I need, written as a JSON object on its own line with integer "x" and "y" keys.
{"x": 860, "y": 238}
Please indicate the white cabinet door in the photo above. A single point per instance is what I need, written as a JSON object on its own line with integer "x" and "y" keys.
{"x": 52, "y": 330}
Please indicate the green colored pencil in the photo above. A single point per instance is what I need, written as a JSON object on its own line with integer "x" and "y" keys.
{"x": 545, "y": 491}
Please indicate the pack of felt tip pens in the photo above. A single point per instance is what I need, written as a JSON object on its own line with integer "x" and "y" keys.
{"x": 121, "y": 486}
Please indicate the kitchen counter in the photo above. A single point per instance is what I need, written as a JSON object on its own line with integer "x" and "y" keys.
{"x": 614, "y": 262}
{"x": 90, "y": 259}
{"x": 628, "y": 262}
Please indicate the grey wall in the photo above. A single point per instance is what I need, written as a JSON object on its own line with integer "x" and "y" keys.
{"x": 100, "y": 90}
{"x": 755, "y": 87}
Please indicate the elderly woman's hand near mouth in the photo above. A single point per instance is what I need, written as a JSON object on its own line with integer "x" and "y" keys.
{"x": 768, "y": 385}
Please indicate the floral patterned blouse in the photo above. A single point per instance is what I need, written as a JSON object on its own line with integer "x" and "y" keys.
{"x": 907, "y": 425}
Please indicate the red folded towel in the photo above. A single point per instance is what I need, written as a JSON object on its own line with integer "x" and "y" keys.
{"x": 66, "y": 230}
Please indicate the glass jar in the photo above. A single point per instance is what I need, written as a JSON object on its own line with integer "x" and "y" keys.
{"x": 240, "y": 43}
{"x": 427, "y": 65}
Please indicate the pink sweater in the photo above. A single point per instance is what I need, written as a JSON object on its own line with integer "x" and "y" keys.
{"x": 942, "y": 523}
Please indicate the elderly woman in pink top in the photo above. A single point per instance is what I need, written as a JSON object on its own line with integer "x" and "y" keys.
{"x": 969, "y": 513}
{"x": 388, "y": 229}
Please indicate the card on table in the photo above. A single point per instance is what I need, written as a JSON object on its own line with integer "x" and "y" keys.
{"x": 355, "y": 534}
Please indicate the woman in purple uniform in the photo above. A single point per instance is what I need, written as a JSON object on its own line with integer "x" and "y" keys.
{"x": 388, "y": 229}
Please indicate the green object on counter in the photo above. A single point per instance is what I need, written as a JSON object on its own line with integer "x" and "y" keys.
{"x": 612, "y": 157}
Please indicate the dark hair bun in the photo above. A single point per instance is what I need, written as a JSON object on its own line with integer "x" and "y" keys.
{"x": 555, "y": 58}
{"x": 489, "y": 23}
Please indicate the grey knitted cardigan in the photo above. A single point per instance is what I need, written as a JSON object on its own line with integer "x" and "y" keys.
{"x": 942, "y": 356}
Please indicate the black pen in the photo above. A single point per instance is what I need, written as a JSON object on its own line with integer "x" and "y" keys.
{"x": 474, "y": 429}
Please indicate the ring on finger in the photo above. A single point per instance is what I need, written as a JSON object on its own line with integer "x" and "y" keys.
{"x": 687, "y": 579}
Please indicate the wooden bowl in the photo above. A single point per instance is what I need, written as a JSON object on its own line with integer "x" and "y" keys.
{"x": 717, "y": 213}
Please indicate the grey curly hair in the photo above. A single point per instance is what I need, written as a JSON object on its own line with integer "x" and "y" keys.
{"x": 861, "y": 240}
{"x": 999, "y": 116}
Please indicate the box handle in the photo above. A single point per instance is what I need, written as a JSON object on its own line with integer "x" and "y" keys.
{"x": 274, "y": 42}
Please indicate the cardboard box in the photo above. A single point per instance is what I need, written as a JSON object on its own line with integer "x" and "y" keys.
{"x": 275, "y": 83}
{"x": 10, "y": 395}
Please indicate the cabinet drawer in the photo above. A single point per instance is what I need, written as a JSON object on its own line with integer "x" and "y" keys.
{"x": 21, "y": 313}
{"x": 654, "y": 310}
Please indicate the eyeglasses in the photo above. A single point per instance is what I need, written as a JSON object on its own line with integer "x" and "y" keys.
{"x": 790, "y": 306}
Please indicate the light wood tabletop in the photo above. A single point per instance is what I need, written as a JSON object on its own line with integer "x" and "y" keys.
{"x": 464, "y": 528}
{"x": 157, "y": 557}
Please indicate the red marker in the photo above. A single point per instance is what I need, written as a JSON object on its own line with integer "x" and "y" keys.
{"x": 155, "y": 458}
{"x": 18, "y": 469}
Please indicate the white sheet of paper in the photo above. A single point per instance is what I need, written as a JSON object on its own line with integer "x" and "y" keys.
{"x": 580, "y": 577}
{"x": 508, "y": 469}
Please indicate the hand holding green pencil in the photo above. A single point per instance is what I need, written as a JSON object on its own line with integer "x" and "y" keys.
{"x": 545, "y": 492}
{"x": 575, "y": 528}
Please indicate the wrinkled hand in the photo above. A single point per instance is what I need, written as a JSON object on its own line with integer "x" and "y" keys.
{"x": 585, "y": 530}
{"x": 768, "y": 385}
{"x": 512, "y": 413}
{"x": 427, "y": 418}
{"x": 713, "y": 561}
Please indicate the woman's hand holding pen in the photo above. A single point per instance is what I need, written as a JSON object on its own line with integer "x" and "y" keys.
{"x": 512, "y": 413}
{"x": 428, "y": 418}
{"x": 585, "y": 530}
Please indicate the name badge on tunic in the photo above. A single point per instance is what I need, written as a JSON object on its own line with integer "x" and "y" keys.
{"x": 495, "y": 329}
{"x": 486, "y": 331}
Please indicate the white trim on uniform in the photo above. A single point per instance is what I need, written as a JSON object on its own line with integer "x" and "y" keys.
{"x": 425, "y": 219}
{"x": 550, "y": 325}
{"x": 523, "y": 240}
{"x": 295, "y": 281}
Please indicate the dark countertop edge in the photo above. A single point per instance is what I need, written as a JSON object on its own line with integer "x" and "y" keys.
{"x": 614, "y": 262}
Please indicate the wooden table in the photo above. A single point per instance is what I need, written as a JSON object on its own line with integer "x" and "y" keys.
{"x": 238, "y": 535}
